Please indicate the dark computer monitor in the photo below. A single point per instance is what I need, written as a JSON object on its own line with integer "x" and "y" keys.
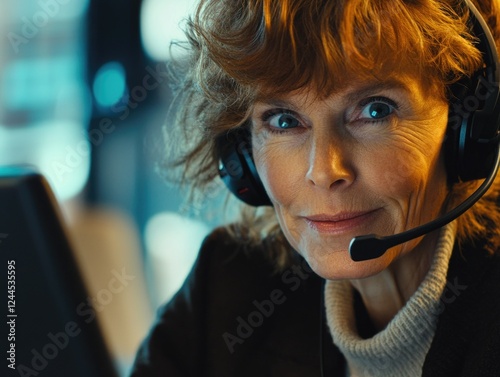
{"x": 48, "y": 329}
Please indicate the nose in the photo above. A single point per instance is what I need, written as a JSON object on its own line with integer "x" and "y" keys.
{"x": 330, "y": 165}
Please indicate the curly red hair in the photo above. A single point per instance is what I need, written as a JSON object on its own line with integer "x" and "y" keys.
{"x": 244, "y": 49}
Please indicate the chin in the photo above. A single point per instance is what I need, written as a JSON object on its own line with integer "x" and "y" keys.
{"x": 338, "y": 265}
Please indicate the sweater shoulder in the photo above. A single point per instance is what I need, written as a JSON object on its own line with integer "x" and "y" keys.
{"x": 468, "y": 330}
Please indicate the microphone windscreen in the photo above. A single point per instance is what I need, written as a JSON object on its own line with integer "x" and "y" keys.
{"x": 367, "y": 247}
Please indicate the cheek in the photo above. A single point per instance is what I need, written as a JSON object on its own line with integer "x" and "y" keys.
{"x": 282, "y": 174}
{"x": 406, "y": 166}
{"x": 276, "y": 173}
{"x": 394, "y": 176}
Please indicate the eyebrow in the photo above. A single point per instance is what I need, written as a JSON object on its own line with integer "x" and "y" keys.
{"x": 347, "y": 97}
{"x": 375, "y": 87}
{"x": 279, "y": 103}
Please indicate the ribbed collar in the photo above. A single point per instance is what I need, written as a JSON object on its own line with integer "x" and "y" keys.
{"x": 400, "y": 349}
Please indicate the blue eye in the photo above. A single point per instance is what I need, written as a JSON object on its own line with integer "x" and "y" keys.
{"x": 287, "y": 121}
{"x": 281, "y": 120}
{"x": 377, "y": 108}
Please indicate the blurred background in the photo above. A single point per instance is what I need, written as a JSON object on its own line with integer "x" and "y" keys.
{"x": 84, "y": 97}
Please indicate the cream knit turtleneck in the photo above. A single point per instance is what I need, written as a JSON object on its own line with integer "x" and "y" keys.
{"x": 400, "y": 349}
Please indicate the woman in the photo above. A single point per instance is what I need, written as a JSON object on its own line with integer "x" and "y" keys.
{"x": 350, "y": 108}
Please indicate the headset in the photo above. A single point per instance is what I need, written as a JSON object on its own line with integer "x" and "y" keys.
{"x": 471, "y": 146}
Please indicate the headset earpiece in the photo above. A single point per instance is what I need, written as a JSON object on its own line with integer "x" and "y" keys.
{"x": 474, "y": 116}
{"x": 237, "y": 169}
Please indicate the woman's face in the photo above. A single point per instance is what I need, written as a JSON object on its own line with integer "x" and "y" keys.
{"x": 366, "y": 159}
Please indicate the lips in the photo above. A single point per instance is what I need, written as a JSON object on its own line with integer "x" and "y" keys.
{"x": 342, "y": 222}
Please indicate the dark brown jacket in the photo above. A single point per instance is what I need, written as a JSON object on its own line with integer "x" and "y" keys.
{"x": 235, "y": 317}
